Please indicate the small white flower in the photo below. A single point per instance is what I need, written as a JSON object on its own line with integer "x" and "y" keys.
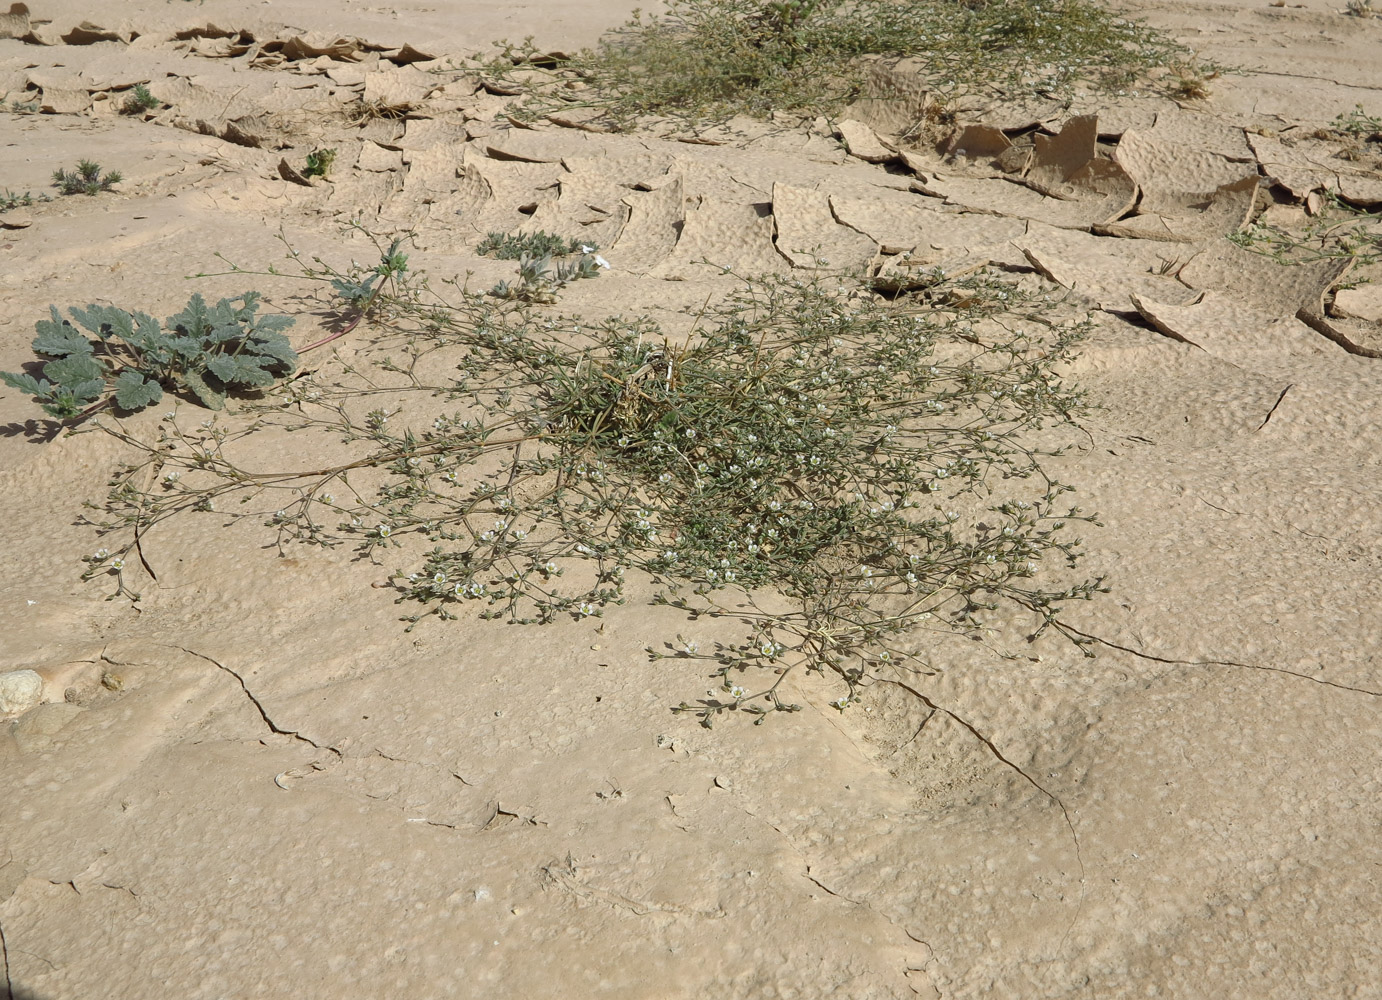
{"x": 585, "y": 609}
{"x": 450, "y": 477}
{"x": 601, "y": 262}
{"x": 117, "y": 563}
{"x": 384, "y": 530}
{"x": 172, "y": 477}
{"x": 439, "y": 578}
{"x": 549, "y": 567}
{"x": 691, "y": 646}
{"x": 327, "y": 498}
{"x": 519, "y": 534}
{"x": 413, "y": 463}
{"x": 736, "y": 692}
{"x": 586, "y": 249}
{"x": 840, "y": 703}
{"x": 100, "y": 555}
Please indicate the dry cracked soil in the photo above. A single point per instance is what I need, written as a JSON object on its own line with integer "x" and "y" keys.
{"x": 255, "y": 783}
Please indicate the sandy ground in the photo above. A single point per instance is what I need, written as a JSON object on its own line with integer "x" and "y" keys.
{"x": 289, "y": 796}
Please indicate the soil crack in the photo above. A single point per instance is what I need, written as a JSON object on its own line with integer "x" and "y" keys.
{"x": 1275, "y": 405}
{"x": 259, "y": 707}
{"x": 1218, "y": 663}
{"x": 998, "y": 755}
{"x": 5, "y": 961}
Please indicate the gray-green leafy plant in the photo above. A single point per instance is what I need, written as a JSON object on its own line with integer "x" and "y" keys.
{"x": 877, "y": 468}
{"x": 512, "y": 246}
{"x": 86, "y": 179}
{"x": 539, "y": 279}
{"x": 127, "y": 359}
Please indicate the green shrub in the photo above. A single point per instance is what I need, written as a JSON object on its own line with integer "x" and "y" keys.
{"x": 140, "y": 101}
{"x": 86, "y": 179}
{"x": 877, "y": 468}
{"x": 706, "y": 59}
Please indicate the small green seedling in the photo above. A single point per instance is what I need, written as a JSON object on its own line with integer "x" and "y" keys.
{"x": 129, "y": 360}
{"x": 86, "y": 179}
{"x": 140, "y": 101}
{"x": 1359, "y": 124}
{"x": 319, "y": 163}
{"x": 9, "y": 200}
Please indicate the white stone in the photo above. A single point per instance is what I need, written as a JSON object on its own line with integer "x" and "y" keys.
{"x": 20, "y": 690}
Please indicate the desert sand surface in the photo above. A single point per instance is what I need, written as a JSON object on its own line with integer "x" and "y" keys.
{"x": 255, "y": 783}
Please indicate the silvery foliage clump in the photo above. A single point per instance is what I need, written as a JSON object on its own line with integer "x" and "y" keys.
{"x": 539, "y": 280}
{"x": 128, "y": 359}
